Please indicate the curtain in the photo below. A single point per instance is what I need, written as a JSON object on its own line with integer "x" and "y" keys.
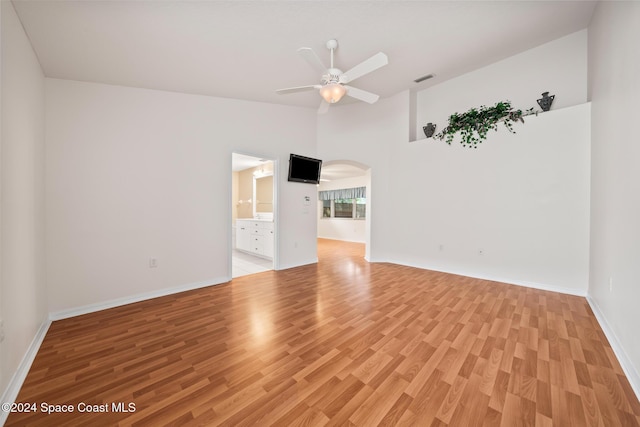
{"x": 343, "y": 193}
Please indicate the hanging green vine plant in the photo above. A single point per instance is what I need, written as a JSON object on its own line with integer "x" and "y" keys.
{"x": 475, "y": 123}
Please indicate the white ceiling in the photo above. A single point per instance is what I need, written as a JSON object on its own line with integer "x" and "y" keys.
{"x": 247, "y": 49}
{"x": 335, "y": 171}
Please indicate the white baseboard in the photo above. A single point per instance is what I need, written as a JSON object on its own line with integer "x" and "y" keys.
{"x": 526, "y": 284}
{"x": 91, "y": 308}
{"x": 286, "y": 267}
{"x": 630, "y": 371}
{"x": 12, "y": 390}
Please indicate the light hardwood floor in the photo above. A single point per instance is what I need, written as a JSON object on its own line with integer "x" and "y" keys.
{"x": 343, "y": 342}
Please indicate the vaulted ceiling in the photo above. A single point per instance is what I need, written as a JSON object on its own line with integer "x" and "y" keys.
{"x": 247, "y": 49}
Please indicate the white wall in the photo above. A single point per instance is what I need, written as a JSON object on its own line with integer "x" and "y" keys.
{"x": 346, "y": 229}
{"x": 614, "y": 88}
{"x": 22, "y": 281}
{"x": 134, "y": 174}
{"x": 523, "y": 199}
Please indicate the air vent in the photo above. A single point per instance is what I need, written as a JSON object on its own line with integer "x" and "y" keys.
{"x": 423, "y": 78}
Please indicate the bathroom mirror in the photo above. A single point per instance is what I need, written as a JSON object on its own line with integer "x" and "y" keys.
{"x": 262, "y": 193}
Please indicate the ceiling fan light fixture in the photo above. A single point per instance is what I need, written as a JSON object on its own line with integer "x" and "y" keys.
{"x": 332, "y": 92}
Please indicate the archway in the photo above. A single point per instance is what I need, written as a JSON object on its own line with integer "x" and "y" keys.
{"x": 333, "y": 218}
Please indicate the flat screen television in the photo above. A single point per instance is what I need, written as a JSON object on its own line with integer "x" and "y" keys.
{"x": 304, "y": 169}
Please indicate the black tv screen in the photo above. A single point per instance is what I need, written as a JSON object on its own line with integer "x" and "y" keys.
{"x": 304, "y": 169}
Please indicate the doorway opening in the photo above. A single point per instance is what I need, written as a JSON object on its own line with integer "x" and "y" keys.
{"x": 253, "y": 202}
{"x": 344, "y": 212}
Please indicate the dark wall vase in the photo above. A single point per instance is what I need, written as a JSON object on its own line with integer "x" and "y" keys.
{"x": 429, "y": 129}
{"x": 545, "y": 101}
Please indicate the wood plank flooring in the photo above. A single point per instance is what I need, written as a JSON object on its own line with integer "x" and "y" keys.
{"x": 340, "y": 343}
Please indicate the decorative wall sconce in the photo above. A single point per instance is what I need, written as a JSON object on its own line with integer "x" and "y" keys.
{"x": 546, "y": 101}
{"x": 429, "y": 129}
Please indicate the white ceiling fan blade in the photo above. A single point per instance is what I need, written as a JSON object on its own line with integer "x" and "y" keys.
{"x": 324, "y": 107}
{"x": 376, "y": 61}
{"x": 362, "y": 95}
{"x": 312, "y": 58}
{"x": 297, "y": 89}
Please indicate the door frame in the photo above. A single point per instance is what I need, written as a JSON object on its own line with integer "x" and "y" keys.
{"x": 276, "y": 210}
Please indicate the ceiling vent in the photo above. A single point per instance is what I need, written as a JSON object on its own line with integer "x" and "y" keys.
{"x": 423, "y": 78}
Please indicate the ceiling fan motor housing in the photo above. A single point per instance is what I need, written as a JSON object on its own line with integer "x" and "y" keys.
{"x": 333, "y": 75}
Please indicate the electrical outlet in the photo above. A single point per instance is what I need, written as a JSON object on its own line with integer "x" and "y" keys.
{"x": 610, "y": 284}
{"x": 1, "y": 330}
{"x": 153, "y": 263}
{"x": 441, "y": 247}
{"x": 480, "y": 252}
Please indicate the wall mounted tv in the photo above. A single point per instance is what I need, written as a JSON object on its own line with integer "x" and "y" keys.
{"x": 304, "y": 169}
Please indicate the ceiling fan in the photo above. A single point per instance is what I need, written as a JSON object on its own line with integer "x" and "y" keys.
{"x": 333, "y": 85}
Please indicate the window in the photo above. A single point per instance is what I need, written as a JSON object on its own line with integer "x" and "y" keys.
{"x": 361, "y": 207}
{"x": 345, "y": 208}
{"x": 326, "y": 209}
{"x": 350, "y": 203}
